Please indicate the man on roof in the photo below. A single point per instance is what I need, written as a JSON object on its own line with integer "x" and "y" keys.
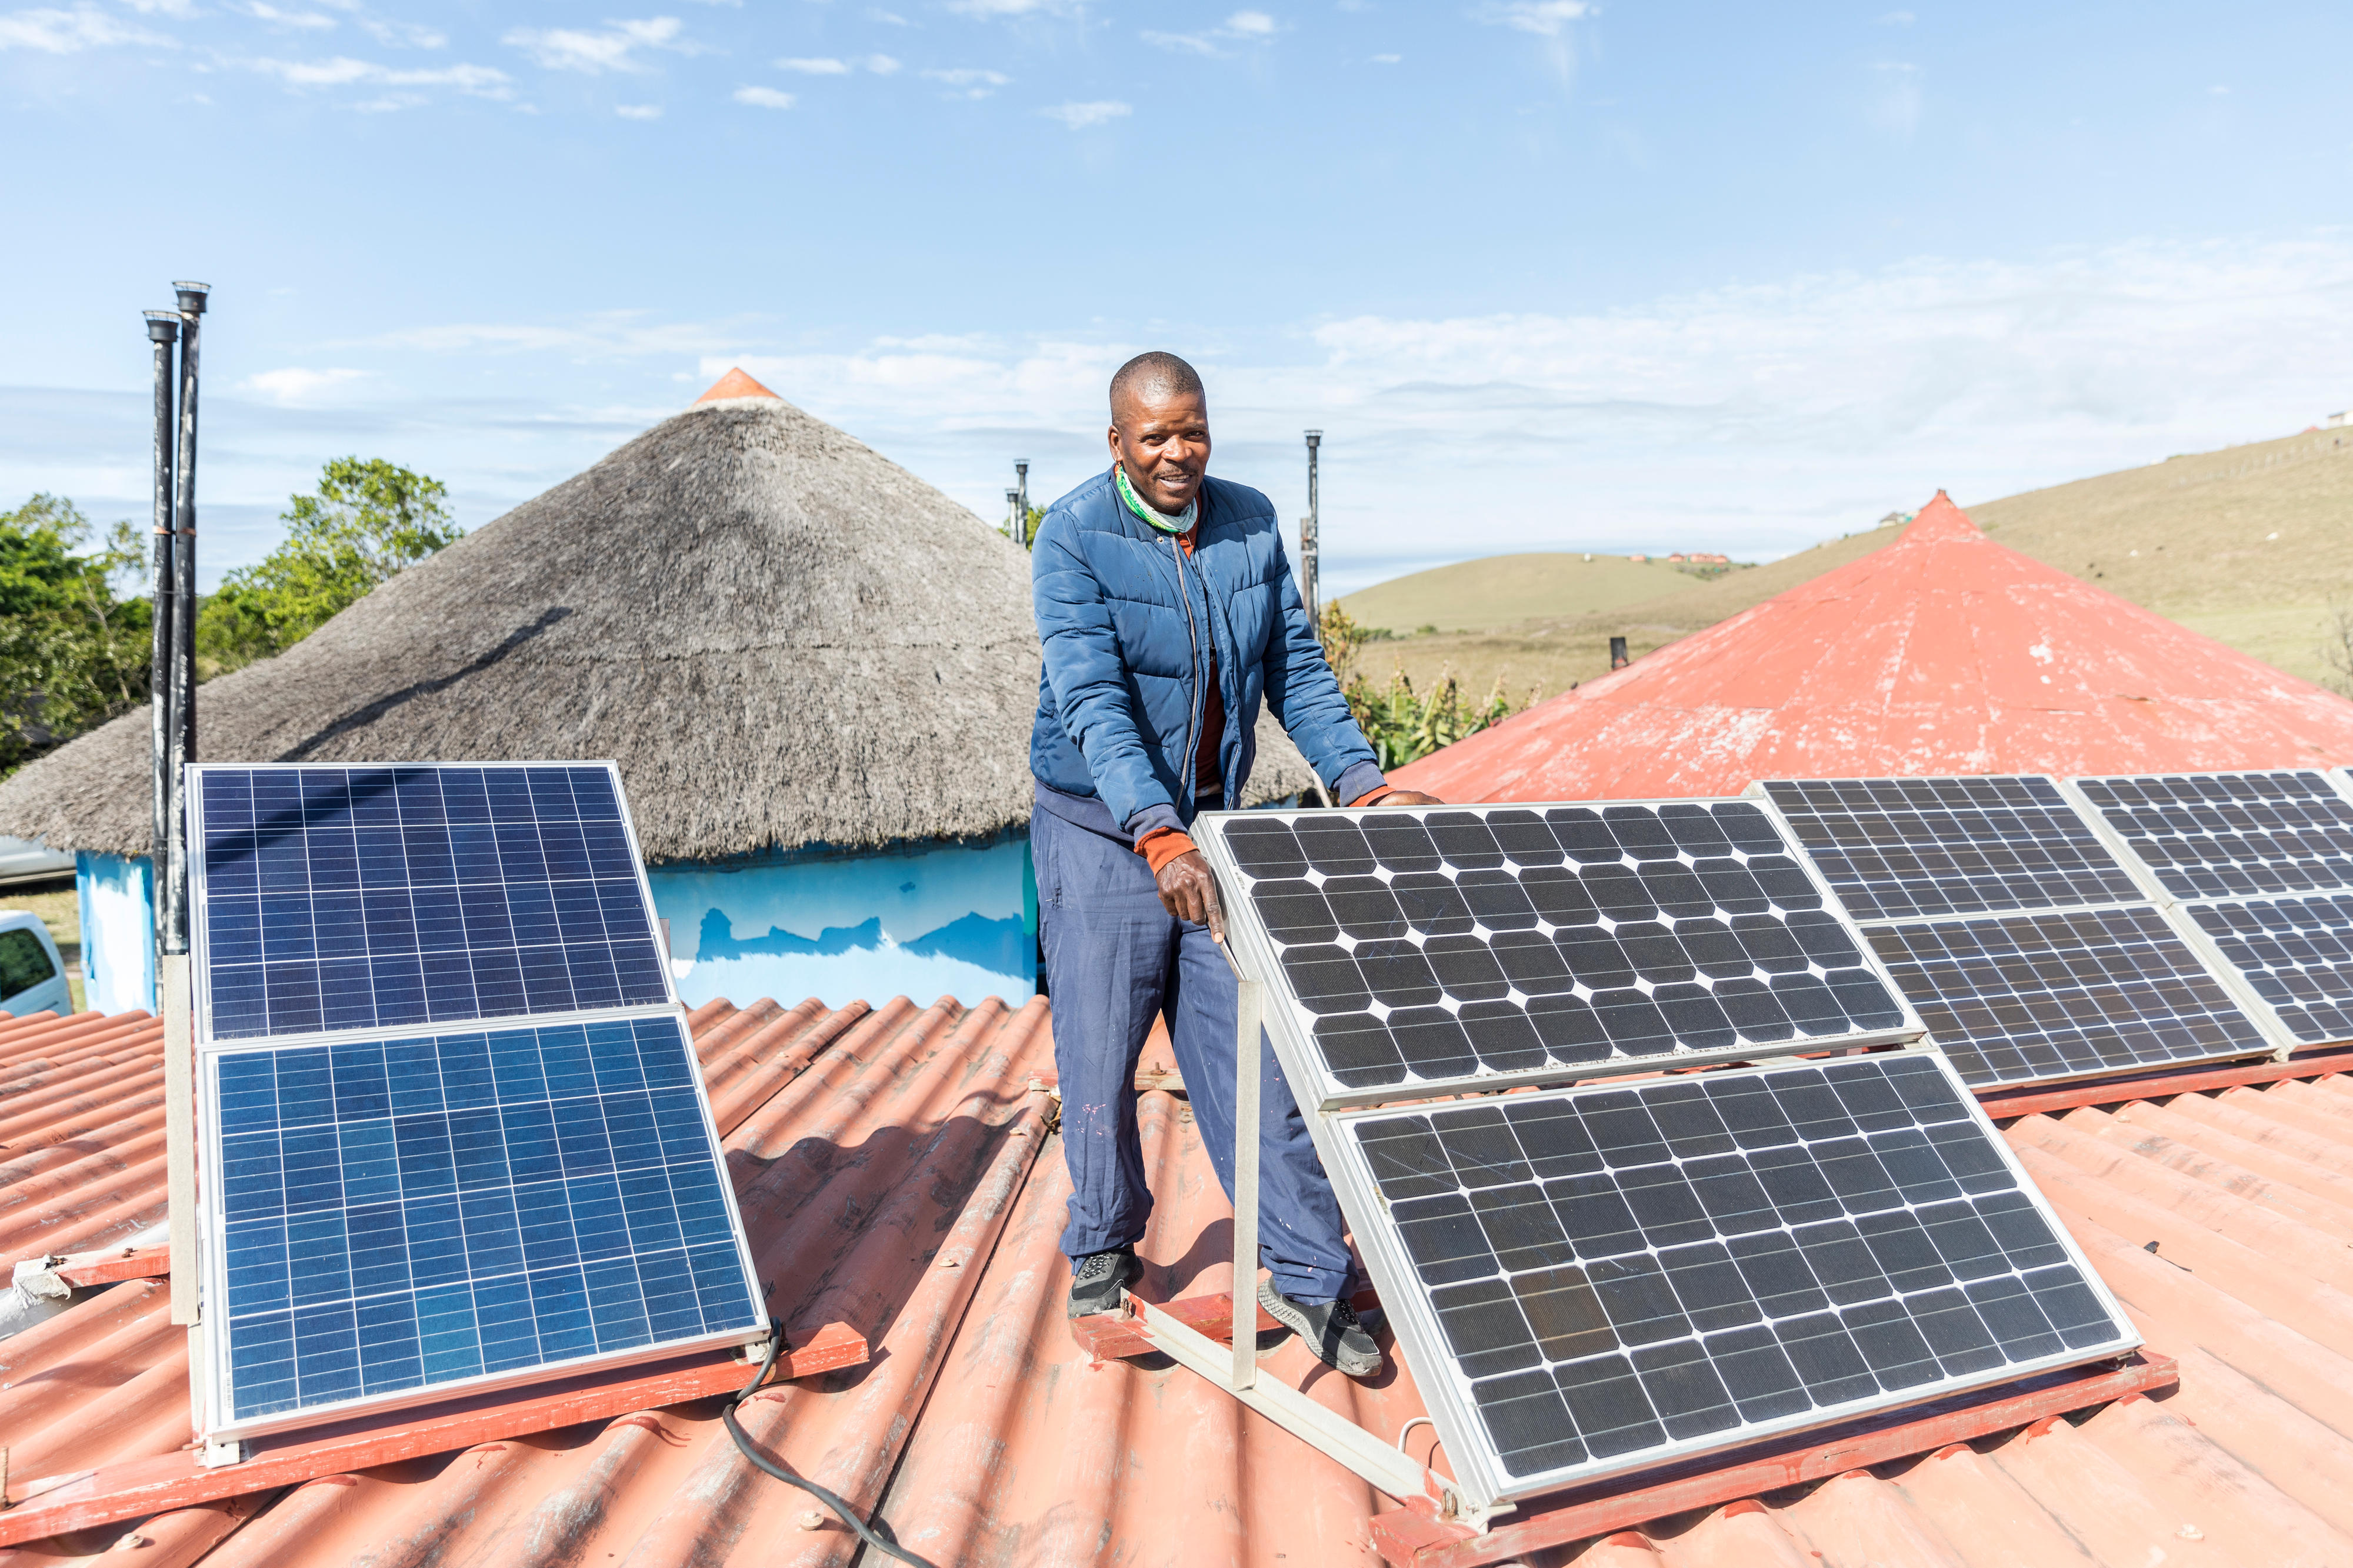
{"x": 1167, "y": 611}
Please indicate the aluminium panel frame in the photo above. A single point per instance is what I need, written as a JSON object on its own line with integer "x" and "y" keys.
{"x": 2146, "y": 874}
{"x": 213, "y": 1377}
{"x": 200, "y": 966}
{"x": 1295, "y": 1048}
{"x": 2209, "y": 952}
{"x": 1448, "y": 1392}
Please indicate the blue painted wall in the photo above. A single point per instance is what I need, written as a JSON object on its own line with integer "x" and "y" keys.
{"x": 924, "y": 922}
{"x": 116, "y": 898}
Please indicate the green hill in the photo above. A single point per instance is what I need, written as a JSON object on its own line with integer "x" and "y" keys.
{"x": 2251, "y": 546}
{"x": 1505, "y": 590}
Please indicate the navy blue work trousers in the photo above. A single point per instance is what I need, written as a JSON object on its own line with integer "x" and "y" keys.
{"x": 1114, "y": 960}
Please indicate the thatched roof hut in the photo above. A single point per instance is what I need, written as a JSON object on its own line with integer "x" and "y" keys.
{"x": 785, "y": 638}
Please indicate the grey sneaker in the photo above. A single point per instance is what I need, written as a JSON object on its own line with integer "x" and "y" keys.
{"x": 1330, "y": 1328}
{"x": 1098, "y": 1279}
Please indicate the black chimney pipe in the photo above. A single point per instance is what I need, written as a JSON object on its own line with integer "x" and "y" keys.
{"x": 163, "y": 331}
{"x": 1618, "y": 660}
{"x": 182, "y": 747}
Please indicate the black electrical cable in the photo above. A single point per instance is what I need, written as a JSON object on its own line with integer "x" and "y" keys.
{"x": 840, "y": 1504}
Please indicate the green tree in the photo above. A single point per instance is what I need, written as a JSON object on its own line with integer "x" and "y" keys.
{"x": 367, "y": 522}
{"x": 1403, "y": 725}
{"x": 72, "y": 655}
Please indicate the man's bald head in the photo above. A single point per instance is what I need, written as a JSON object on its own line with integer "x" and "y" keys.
{"x": 1160, "y": 429}
{"x": 1155, "y": 377}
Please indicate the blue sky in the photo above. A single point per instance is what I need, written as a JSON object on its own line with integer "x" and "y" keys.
{"x": 1550, "y": 274}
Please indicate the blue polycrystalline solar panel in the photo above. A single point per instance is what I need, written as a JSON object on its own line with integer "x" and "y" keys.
{"x": 2230, "y": 836}
{"x": 332, "y": 899}
{"x": 1599, "y": 1279}
{"x": 2069, "y": 993}
{"x": 399, "y": 1219}
{"x": 2295, "y": 953}
{"x": 1894, "y": 848}
{"x": 1411, "y": 950}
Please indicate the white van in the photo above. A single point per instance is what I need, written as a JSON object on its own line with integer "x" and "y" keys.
{"x": 32, "y": 975}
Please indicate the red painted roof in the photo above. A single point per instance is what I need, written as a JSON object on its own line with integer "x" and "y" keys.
{"x": 1942, "y": 653}
{"x": 735, "y": 384}
{"x": 895, "y": 1172}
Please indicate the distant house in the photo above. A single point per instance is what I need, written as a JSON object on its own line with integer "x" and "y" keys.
{"x": 1676, "y": 559}
{"x": 1637, "y": 559}
{"x": 815, "y": 671}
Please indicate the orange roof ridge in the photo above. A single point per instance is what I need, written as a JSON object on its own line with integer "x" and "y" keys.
{"x": 735, "y": 384}
{"x": 1942, "y": 522}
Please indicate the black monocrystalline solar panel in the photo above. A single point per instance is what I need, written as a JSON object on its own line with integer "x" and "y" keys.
{"x": 2296, "y": 953}
{"x": 1427, "y": 947}
{"x": 377, "y": 898}
{"x": 2232, "y": 835}
{"x": 2018, "y": 998}
{"x": 1896, "y": 848}
{"x": 1611, "y": 1277}
{"x": 406, "y": 1217}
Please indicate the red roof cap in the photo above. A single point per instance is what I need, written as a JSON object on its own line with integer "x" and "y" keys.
{"x": 1942, "y": 653}
{"x": 735, "y": 384}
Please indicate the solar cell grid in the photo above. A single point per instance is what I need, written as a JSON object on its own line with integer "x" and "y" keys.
{"x": 2017, "y": 998}
{"x": 332, "y": 899}
{"x": 1617, "y": 1276}
{"x": 1426, "y": 947}
{"x": 2224, "y": 836}
{"x": 2295, "y": 953}
{"x": 1892, "y": 848}
{"x": 403, "y": 1217}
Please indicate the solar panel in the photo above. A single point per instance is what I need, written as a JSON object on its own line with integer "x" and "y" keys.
{"x": 2232, "y": 835}
{"x": 1894, "y": 848}
{"x": 383, "y": 898}
{"x": 1597, "y": 1279}
{"x": 404, "y": 1218}
{"x": 2064, "y": 993}
{"x": 2296, "y": 954}
{"x": 1414, "y": 950}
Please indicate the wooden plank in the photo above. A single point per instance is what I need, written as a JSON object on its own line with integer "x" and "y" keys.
{"x": 1409, "y": 1538}
{"x": 1108, "y": 1336}
{"x": 2002, "y": 1104}
{"x": 53, "y": 1504}
{"x": 99, "y": 1269}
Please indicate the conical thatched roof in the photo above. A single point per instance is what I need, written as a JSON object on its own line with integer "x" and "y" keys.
{"x": 782, "y": 636}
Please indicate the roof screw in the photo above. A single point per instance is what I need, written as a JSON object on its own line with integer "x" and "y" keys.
{"x": 812, "y": 1519}
{"x": 2191, "y": 1533}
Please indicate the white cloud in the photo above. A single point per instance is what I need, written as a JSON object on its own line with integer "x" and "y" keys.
{"x": 1547, "y": 18}
{"x": 892, "y": 19}
{"x": 814, "y": 66}
{"x": 307, "y": 21}
{"x": 1242, "y": 26}
{"x": 968, "y": 82}
{"x": 638, "y": 111}
{"x": 763, "y": 98}
{"x": 295, "y": 387}
{"x": 69, "y": 32}
{"x": 1386, "y": 59}
{"x": 404, "y": 35}
{"x": 614, "y": 49}
{"x": 880, "y": 65}
{"x": 1080, "y": 116}
{"x": 1016, "y": 8}
{"x": 342, "y": 70}
{"x": 180, "y": 9}
{"x": 1896, "y": 99}
{"x": 1897, "y": 19}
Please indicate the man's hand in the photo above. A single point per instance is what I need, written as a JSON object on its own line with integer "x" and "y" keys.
{"x": 1408, "y": 797}
{"x": 1189, "y": 892}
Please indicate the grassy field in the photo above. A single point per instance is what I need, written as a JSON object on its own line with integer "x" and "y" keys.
{"x": 56, "y": 907}
{"x": 1505, "y": 590}
{"x": 2252, "y": 546}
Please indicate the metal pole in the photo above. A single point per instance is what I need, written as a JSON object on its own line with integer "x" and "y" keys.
{"x": 1250, "y": 1012}
{"x": 182, "y": 747}
{"x": 1012, "y": 514}
{"x": 1311, "y": 537}
{"x": 163, "y": 331}
{"x": 1022, "y": 503}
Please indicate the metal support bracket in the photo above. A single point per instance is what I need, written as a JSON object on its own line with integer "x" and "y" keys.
{"x": 1250, "y": 1010}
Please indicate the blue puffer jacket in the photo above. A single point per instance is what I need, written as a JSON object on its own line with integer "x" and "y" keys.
{"x": 1128, "y": 622}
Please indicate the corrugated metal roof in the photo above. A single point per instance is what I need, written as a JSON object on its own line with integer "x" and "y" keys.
{"x": 1943, "y": 653}
{"x": 895, "y": 1173}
